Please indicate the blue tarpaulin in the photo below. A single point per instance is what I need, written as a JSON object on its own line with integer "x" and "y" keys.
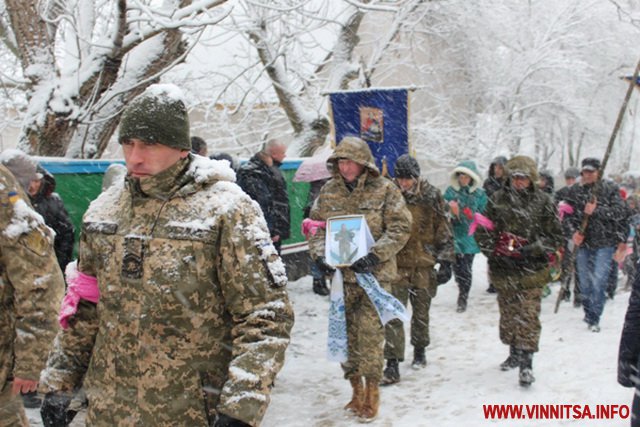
{"x": 379, "y": 116}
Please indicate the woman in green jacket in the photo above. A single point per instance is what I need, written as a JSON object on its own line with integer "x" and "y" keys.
{"x": 465, "y": 198}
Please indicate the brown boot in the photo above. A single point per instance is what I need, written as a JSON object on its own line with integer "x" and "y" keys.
{"x": 371, "y": 400}
{"x": 357, "y": 398}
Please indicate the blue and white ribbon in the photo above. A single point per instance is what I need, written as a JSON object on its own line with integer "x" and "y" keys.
{"x": 386, "y": 305}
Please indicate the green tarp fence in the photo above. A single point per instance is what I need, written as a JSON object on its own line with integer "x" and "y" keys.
{"x": 78, "y": 182}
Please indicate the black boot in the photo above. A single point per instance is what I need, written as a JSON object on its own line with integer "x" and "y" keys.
{"x": 419, "y": 358}
{"x": 320, "y": 287}
{"x": 526, "y": 377}
{"x": 491, "y": 289}
{"x": 391, "y": 373}
{"x": 513, "y": 361}
{"x": 462, "y": 303}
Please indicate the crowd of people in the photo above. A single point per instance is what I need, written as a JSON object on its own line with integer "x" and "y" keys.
{"x": 176, "y": 310}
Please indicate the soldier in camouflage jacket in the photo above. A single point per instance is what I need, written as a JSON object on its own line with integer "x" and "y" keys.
{"x": 31, "y": 287}
{"x": 357, "y": 188}
{"x": 526, "y": 229}
{"x": 193, "y": 318}
{"x": 431, "y": 242}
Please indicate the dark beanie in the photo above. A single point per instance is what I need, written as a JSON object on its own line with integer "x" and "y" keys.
{"x": 157, "y": 115}
{"x": 406, "y": 167}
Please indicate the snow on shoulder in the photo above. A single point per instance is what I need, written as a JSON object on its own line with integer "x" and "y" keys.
{"x": 204, "y": 169}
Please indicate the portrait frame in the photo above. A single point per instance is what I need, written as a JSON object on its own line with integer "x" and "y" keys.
{"x": 346, "y": 240}
{"x": 372, "y": 124}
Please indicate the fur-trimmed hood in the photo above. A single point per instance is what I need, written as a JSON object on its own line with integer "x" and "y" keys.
{"x": 467, "y": 167}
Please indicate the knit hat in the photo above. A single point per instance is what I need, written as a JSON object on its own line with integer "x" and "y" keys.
{"x": 406, "y": 167}
{"x": 157, "y": 115}
{"x": 571, "y": 173}
{"x": 21, "y": 166}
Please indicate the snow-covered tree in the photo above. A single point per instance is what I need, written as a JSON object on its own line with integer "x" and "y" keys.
{"x": 77, "y": 62}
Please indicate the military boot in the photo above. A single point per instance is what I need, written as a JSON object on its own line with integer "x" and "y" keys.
{"x": 357, "y": 397}
{"x": 513, "y": 361}
{"x": 462, "y": 303}
{"x": 391, "y": 373}
{"x": 419, "y": 358}
{"x": 371, "y": 400}
{"x": 526, "y": 377}
{"x": 320, "y": 287}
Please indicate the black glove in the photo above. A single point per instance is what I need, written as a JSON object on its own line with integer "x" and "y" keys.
{"x": 444, "y": 272}
{"x": 365, "y": 264}
{"x": 54, "y": 410}
{"x": 325, "y": 268}
{"x": 226, "y": 421}
{"x": 533, "y": 250}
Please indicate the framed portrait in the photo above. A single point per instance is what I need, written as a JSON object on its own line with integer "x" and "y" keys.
{"x": 346, "y": 240}
{"x": 372, "y": 124}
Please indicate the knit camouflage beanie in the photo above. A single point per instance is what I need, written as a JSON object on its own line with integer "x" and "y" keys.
{"x": 157, "y": 115}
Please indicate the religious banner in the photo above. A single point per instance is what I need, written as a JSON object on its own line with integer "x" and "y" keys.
{"x": 378, "y": 116}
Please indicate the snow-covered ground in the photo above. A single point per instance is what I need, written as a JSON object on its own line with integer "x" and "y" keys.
{"x": 574, "y": 366}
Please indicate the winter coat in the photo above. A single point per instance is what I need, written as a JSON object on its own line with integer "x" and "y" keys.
{"x": 493, "y": 183}
{"x": 282, "y": 215}
{"x": 528, "y": 214}
{"x": 629, "y": 352}
{"x": 472, "y": 197}
{"x": 561, "y": 196}
{"x": 549, "y": 188}
{"x": 375, "y": 197}
{"x": 51, "y": 207}
{"x": 314, "y": 190}
{"x": 31, "y": 285}
{"x": 431, "y": 236}
{"x": 193, "y": 316}
{"x": 261, "y": 183}
{"x": 609, "y": 223}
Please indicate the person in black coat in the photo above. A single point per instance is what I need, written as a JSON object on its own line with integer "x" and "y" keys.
{"x": 262, "y": 180}
{"x": 51, "y": 207}
{"x": 495, "y": 181}
{"x": 568, "y": 271}
{"x": 604, "y": 238}
{"x": 629, "y": 353}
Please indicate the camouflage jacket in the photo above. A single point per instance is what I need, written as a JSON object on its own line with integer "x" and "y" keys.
{"x": 431, "y": 235}
{"x": 529, "y": 214}
{"x": 193, "y": 316}
{"x": 31, "y": 285}
{"x": 375, "y": 197}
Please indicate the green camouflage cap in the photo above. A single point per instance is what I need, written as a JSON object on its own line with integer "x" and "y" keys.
{"x": 157, "y": 115}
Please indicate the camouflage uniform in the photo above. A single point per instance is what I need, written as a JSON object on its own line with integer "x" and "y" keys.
{"x": 193, "y": 317}
{"x": 389, "y": 220}
{"x": 31, "y": 288}
{"x": 431, "y": 239}
{"x": 530, "y": 214}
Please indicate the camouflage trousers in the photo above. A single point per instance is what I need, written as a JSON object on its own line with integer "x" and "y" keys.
{"x": 365, "y": 334}
{"x": 520, "y": 317}
{"x": 11, "y": 409}
{"x": 416, "y": 285}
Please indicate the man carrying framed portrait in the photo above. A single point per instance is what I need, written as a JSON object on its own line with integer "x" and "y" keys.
{"x": 356, "y": 188}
